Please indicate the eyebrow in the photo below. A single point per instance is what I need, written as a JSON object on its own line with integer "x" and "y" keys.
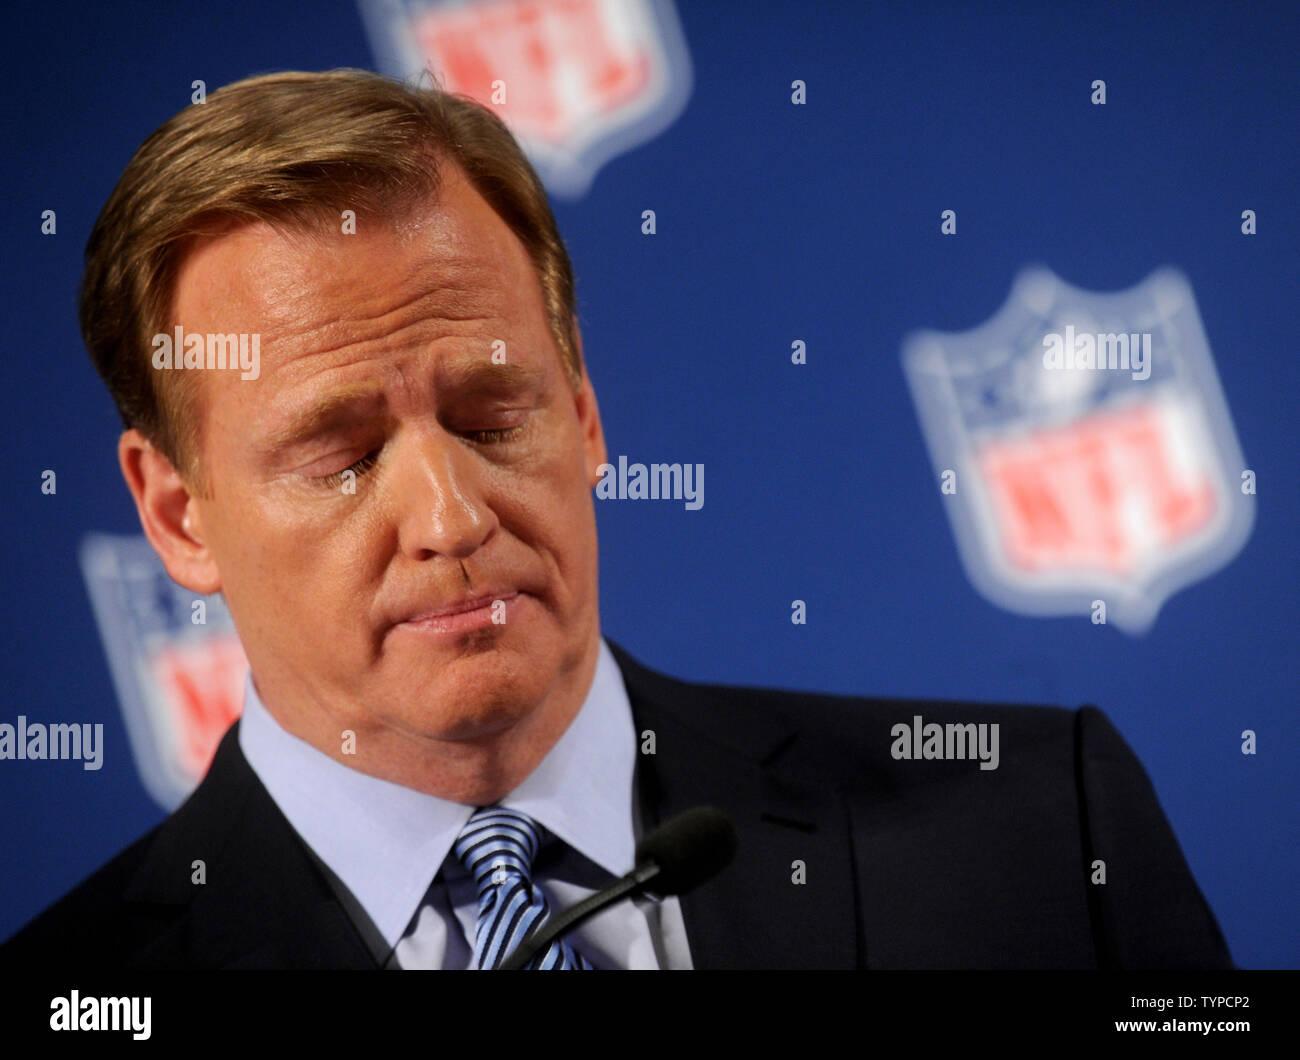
{"x": 324, "y": 414}
{"x": 342, "y": 404}
{"x": 488, "y": 375}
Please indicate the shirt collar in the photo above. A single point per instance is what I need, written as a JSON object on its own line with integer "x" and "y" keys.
{"x": 386, "y": 842}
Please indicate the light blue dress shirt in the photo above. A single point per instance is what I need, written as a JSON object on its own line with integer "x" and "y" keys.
{"x": 387, "y": 848}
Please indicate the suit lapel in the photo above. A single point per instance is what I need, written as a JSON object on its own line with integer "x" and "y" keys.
{"x": 263, "y": 903}
{"x": 713, "y": 747}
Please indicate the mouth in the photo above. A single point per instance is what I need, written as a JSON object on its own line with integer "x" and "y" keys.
{"x": 467, "y": 614}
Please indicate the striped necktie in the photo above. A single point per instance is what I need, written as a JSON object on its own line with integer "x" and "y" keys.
{"x": 498, "y": 846}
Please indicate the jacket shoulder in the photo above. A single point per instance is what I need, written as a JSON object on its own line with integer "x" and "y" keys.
{"x": 1019, "y": 825}
{"x": 842, "y": 736}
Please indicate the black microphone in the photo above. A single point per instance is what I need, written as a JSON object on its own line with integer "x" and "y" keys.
{"x": 672, "y": 859}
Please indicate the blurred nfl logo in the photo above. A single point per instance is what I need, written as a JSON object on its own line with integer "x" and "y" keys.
{"x": 576, "y": 81}
{"x": 180, "y": 683}
{"x": 1093, "y": 452}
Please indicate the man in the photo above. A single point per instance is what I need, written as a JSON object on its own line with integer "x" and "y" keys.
{"x": 391, "y": 487}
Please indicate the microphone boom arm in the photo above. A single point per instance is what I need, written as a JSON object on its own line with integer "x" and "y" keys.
{"x": 542, "y": 937}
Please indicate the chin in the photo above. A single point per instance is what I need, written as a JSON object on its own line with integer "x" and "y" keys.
{"x": 475, "y": 696}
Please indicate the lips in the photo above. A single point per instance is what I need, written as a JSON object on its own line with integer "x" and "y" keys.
{"x": 464, "y": 605}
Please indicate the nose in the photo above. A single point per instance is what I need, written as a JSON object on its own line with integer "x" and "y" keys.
{"x": 442, "y": 510}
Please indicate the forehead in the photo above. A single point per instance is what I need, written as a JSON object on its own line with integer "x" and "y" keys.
{"x": 449, "y": 267}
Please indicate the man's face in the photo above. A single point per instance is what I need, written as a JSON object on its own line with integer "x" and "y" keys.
{"x": 471, "y": 478}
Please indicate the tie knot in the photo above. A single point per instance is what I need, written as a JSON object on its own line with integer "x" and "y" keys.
{"x": 497, "y": 845}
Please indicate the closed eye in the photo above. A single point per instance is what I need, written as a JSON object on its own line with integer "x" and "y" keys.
{"x": 359, "y": 468}
{"x": 494, "y": 436}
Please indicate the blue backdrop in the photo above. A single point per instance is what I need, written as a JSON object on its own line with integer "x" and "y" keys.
{"x": 775, "y": 223}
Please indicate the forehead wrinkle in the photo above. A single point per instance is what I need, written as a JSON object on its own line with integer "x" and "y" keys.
{"x": 393, "y": 344}
{"x": 351, "y": 324}
{"x": 316, "y": 293}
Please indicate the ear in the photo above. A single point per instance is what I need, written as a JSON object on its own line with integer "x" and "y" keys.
{"x": 593, "y": 434}
{"x": 168, "y": 513}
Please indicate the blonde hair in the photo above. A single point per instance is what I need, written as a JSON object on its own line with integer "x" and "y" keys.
{"x": 289, "y": 149}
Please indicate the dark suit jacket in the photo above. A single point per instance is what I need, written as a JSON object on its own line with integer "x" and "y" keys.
{"x": 907, "y": 864}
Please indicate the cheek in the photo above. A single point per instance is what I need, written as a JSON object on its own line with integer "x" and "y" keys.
{"x": 550, "y": 505}
{"x": 283, "y": 563}
{"x": 565, "y": 529}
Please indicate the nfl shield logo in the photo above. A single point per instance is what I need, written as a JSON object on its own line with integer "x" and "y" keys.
{"x": 180, "y": 683}
{"x": 1084, "y": 447}
{"x": 576, "y": 81}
